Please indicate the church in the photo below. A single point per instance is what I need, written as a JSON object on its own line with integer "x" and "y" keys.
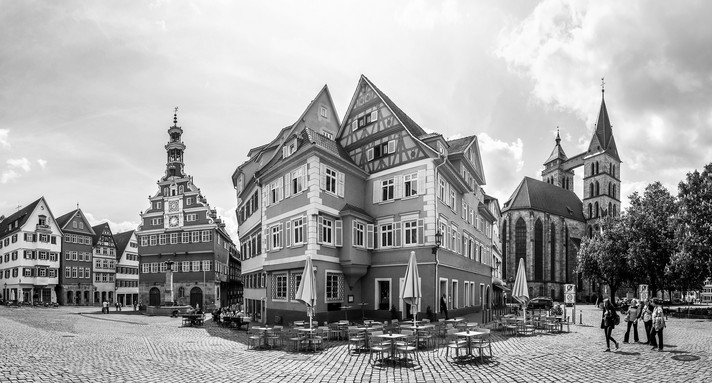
{"x": 544, "y": 221}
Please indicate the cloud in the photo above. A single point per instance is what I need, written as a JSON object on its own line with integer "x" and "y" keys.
{"x": 116, "y": 227}
{"x": 499, "y": 158}
{"x": 21, "y": 163}
{"x": 425, "y": 15}
{"x": 658, "y": 77}
{"x": 42, "y": 163}
{"x": 4, "y": 138}
{"x": 8, "y": 175}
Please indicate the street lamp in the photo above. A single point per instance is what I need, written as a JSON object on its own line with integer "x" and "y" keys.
{"x": 438, "y": 241}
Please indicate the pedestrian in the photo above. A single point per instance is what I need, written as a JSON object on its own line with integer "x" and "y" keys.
{"x": 120, "y": 306}
{"x": 443, "y": 306}
{"x": 608, "y": 322}
{"x": 134, "y": 305}
{"x": 631, "y": 316}
{"x": 647, "y": 316}
{"x": 116, "y": 306}
{"x": 105, "y": 307}
{"x": 658, "y": 325}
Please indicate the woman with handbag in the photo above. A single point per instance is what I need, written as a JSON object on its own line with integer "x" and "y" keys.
{"x": 658, "y": 325}
{"x": 646, "y": 315}
{"x": 608, "y": 322}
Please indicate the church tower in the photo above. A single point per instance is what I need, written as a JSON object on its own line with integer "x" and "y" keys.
{"x": 554, "y": 171}
{"x": 174, "y": 150}
{"x": 602, "y": 170}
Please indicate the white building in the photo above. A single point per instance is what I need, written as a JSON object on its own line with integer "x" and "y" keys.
{"x": 126, "y": 268}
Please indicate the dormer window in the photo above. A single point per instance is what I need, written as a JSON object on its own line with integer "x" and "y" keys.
{"x": 42, "y": 220}
{"x": 289, "y": 149}
{"x": 323, "y": 112}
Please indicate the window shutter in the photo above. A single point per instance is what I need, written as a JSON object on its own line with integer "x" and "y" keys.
{"x": 338, "y": 233}
{"x": 280, "y": 187}
{"x": 421, "y": 181}
{"x": 369, "y": 236}
{"x": 353, "y": 233}
{"x": 285, "y": 152}
{"x": 288, "y": 189}
{"x": 374, "y": 116}
{"x": 265, "y": 196}
{"x": 391, "y": 146}
{"x": 305, "y": 177}
{"x": 340, "y": 185}
{"x": 322, "y": 176}
{"x": 288, "y": 237}
{"x": 266, "y": 240}
{"x": 377, "y": 191}
{"x": 397, "y": 234}
{"x": 459, "y": 243}
{"x": 421, "y": 234}
{"x": 369, "y": 154}
{"x": 398, "y": 187}
{"x": 354, "y": 125}
{"x": 463, "y": 213}
{"x": 281, "y": 235}
{"x": 320, "y": 228}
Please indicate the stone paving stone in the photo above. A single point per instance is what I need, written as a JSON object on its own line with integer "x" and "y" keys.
{"x": 76, "y": 344}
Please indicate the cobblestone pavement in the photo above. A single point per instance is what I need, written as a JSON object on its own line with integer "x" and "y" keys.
{"x": 75, "y": 344}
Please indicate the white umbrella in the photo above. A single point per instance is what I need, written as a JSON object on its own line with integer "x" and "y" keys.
{"x": 520, "y": 290}
{"x": 307, "y": 289}
{"x": 411, "y": 286}
{"x": 53, "y": 296}
{"x": 12, "y": 295}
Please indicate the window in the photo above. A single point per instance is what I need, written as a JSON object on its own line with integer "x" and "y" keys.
{"x": 386, "y": 236}
{"x": 410, "y": 184}
{"x": 359, "y": 232}
{"x": 145, "y": 268}
{"x": 161, "y": 239}
{"x": 74, "y": 272}
{"x": 67, "y": 272}
{"x": 189, "y": 201}
{"x": 298, "y": 231}
{"x": 334, "y": 287}
{"x": 196, "y": 266}
{"x": 451, "y": 201}
{"x": 185, "y": 266}
{"x": 81, "y": 272}
{"x": 275, "y": 191}
{"x": 276, "y": 236}
{"x": 326, "y": 230}
{"x": 410, "y": 232}
{"x": 387, "y": 189}
{"x": 191, "y": 217}
{"x": 280, "y": 287}
{"x": 154, "y": 267}
{"x": 207, "y": 235}
{"x": 87, "y": 272}
{"x": 195, "y": 236}
{"x": 330, "y": 180}
{"x": 206, "y": 265}
{"x": 441, "y": 188}
{"x": 297, "y": 180}
{"x": 174, "y": 238}
{"x": 323, "y": 112}
{"x": 144, "y": 240}
{"x": 153, "y": 240}
{"x": 186, "y": 237}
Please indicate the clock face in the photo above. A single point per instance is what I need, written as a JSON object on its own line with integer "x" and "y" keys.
{"x": 173, "y": 221}
{"x": 173, "y": 206}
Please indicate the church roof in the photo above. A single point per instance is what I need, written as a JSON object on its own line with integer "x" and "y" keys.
{"x": 558, "y": 152}
{"x": 603, "y": 138}
{"x": 538, "y": 195}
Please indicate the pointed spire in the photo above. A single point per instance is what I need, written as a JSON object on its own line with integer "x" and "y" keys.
{"x": 558, "y": 137}
{"x": 558, "y": 152}
{"x": 603, "y": 87}
{"x": 175, "y": 117}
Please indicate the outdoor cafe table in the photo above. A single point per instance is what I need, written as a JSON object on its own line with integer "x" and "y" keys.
{"x": 192, "y": 319}
{"x": 263, "y": 334}
{"x": 392, "y": 338}
{"x": 418, "y": 329}
{"x": 365, "y": 331}
{"x": 309, "y": 337}
{"x": 469, "y": 335}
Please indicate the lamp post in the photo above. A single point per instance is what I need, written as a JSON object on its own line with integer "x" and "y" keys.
{"x": 438, "y": 242}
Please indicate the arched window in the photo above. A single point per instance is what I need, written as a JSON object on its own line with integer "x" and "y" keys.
{"x": 552, "y": 252}
{"x": 609, "y": 189}
{"x": 610, "y": 209}
{"x": 590, "y": 232}
{"x": 614, "y": 191}
{"x": 593, "y": 168}
{"x": 538, "y": 250}
{"x": 520, "y": 242}
{"x": 598, "y": 188}
{"x": 590, "y": 211}
{"x": 596, "y": 167}
{"x": 596, "y": 207}
{"x": 613, "y": 170}
{"x": 590, "y": 190}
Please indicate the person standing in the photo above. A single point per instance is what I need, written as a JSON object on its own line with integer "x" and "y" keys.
{"x": 658, "y": 325}
{"x": 105, "y": 307}
{"x": 647, "y": 315}
{"x": 631, "y": 316}
{"x": 608, "y": 323}
{"x": 443, "y": 306}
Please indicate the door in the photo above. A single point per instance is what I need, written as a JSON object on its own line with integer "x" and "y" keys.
{"x": 154, "y": 297}
{"x": 196, "y": 297}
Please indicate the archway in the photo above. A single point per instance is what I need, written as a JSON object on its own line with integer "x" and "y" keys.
{"x": 154, "y": 297}
{"x": 196, "y": 297}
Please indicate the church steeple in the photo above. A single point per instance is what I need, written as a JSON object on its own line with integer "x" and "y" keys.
{"x": 554, "y": 172}
{"x": 174, "y": 150}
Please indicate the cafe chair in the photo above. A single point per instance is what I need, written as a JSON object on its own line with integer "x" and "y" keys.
{"x": 454, "y": 343}
{"x": 356, "y": 339}
{"x": 379, "y": 346}
{"x": 254, "y": 340}
{"x": 484, "y": 342}
{"x": 408, "y": 345}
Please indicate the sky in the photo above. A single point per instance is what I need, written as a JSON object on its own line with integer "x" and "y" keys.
{"x": 88, "y": 89}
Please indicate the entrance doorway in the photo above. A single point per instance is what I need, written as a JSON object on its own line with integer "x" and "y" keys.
{"x": 154, "y": 297}
{"x": 196, "y": 297}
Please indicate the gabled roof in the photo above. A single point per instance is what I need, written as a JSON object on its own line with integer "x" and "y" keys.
{"x": 408, "y": 123}
{"x": 460, "y": 144}
{"x": 121, "y": 240}
{"x": 604, "y": 134}
{"x": 20, "y": 216}
{"x": 64, "y": 220}
{"x": 532, "y": 194}
{"x": 98, "y": 229}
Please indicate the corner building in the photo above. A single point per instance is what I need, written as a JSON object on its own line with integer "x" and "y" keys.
{"x": 544, "y": 221}
{"x": 358, "y": 196}
{"x": 181, "y": 231}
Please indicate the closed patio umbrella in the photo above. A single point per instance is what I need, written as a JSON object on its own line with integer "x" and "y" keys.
{"x": 307, "y": 289}
{"x": 520, "y": 290}
{"x": 411, "y": 286}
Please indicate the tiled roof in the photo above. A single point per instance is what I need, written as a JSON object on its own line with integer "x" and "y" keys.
{"x": 98, "y": 230}
{"x": 604, "y": 132}
{"x": 348, "y": 207}
{"x": 542, "y": 196}
{"x": 459, "y": 145}
{"x": 20, "y": 216}
{"x": 62, "y": 221}
{"x": 557, "y": 153}
{"x": 318, "y": 139}
{"x": 121, "y": 240}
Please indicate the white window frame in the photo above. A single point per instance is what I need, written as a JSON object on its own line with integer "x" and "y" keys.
{"x": 359, "y": 230}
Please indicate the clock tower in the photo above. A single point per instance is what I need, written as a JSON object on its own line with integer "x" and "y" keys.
{"x": 180, "y": 228}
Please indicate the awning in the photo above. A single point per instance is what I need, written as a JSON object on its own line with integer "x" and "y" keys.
{"x": 499, "y": 284}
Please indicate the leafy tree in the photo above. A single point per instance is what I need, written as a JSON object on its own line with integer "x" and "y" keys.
{"x": 695, "y": 225}
{"x": 604, "y": 256}
{"x": 650, "y": 221}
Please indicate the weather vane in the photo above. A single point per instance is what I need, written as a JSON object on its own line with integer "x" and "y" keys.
{"x": 603, "y": 85}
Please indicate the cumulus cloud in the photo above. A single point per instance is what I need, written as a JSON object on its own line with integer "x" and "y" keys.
{"x": 42, "y": 163}
{"x": 5, "y": 138}
{"x": 656, "y": 68}
{"x": 116, "y": 227}
{"x": 19, "y": 163}
{"x": 421, "y": 14}
{"x": 8, "y": 175}
{"x": 499, "y": 158}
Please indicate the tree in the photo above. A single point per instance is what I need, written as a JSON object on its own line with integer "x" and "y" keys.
{"x": 695, "y": 225}
{"x": 650, "y": 220}
{"x": 604, "y": 256}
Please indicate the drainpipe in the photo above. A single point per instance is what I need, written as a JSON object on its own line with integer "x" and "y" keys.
{"x": 436, "y": 303}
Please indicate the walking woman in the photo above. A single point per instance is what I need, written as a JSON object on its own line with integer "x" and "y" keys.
{"x": 647, "y": 316}
{"x": 608, "y": 322}
{"x": 631, "y": 316}
{"x": 658, "y": 325}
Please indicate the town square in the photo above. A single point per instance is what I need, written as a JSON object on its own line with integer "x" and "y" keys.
{"x": 409, "y": 190}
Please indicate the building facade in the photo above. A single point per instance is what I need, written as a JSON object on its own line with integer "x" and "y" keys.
{"x": 358, "y": 196}
{"x": 30, "y": 246}
{"x": 126, "y": 282}
{"x": 104, "y": 262}
{"x": 76, "y": 284}
{"x": 544, "y": 221}
{"x": 179, "y": 230}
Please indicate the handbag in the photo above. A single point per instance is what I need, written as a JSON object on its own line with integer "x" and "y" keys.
{"x": 617, "y": 319}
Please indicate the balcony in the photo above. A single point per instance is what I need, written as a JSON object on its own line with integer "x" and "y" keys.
{"x": 43, "y": 228}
